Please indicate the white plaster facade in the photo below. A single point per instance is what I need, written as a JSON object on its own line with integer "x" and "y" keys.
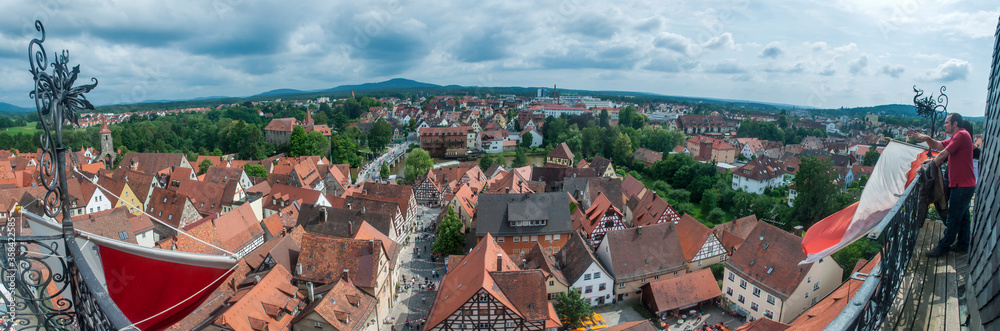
{"x": 598, "y": 282}
{"x": 822, "y": 278}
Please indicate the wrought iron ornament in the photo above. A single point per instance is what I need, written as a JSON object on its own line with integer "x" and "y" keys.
{"x": 56, "y": 100}
{"x": 930, "y": 107}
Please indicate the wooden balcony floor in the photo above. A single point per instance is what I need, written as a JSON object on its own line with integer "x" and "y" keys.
{"x": 932, "y": 294}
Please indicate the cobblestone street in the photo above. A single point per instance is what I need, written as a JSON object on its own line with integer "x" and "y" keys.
{"x": 412, "y": 303}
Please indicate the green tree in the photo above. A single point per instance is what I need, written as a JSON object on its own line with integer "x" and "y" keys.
{"x": 417, "y": 164}
{"x": 716, "y": 216}
{"x": 343, "y": 149}
{"x": 203, "y": 166}
{"x": 380, "y": 135}
{"x": 255, "y": 170}
{"x": 626, "y": 116}
{"x": 486, "y": 161}
{"x": 297, "y": 141}
{"x": 709, "y": 201}
{"x": 604, "y": 118}
{"x": 572, "y": 309}
{"x": 782, "y": 122}
{"x": 527, "y": 139}
{"x": 384, "y": 171}
{"x": 871, "y": 157}
{"x": 449, "y": 237}
{"x": 520, "y": 158}
{"x": 623, "y": 149}
{"x": 815, "y": 187}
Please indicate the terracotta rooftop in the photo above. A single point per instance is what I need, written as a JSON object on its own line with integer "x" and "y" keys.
{"x": 238, "y": 228}
{"x": 682, "y": 291}
{"x": 152, "y": 163}
{"x": 731, "y": 234}
{"x": 537, "y": 258}
{"x": 325, "y": 258}
{"x": 561, "y": 151}
{"x": 342, "y": 305}
{"x": 112, "y": 223}
{"x": 693, "y": 236}
{"x": 769, "y": 248}
{"x": 642, "y": 325}
{"x": 644, "y": 251}
{"x": 269, "y": 299}
{"x": 575, "y": 257}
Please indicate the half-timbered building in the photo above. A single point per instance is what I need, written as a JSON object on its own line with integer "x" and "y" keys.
{"x": 600, "y": 218}
{"x": 485, "y": 290}
{"x": 428, "y": 193}
{"x": 701, "y": 247}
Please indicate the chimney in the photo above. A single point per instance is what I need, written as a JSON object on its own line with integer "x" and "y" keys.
{"x": 324, "y": 217}
{"x": 363, "y": 210}
{"x": 298, "y": 268}
{"x": 346, "y": 275}
{"x": 638, "y": 230}
{"x": 499, "y": 262}
{"x": 352, "y": 227}
{"x": 312, "y": 291}
{"x": 797, "y": 230}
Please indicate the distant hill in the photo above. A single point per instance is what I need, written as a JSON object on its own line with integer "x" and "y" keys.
{"x": 283, "y": 91}
{"x": 9, "y": 108}
{"x": 905, "y": 111}
{"x": 395, "y": 83}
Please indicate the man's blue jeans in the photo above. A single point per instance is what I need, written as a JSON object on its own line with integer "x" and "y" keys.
{"x": 958, "y": 219}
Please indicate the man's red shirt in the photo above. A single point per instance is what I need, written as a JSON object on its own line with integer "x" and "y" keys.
{"x": 960, "y": 172}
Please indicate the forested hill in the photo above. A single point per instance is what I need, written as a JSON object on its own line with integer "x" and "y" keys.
{"x": 895, "y": 110}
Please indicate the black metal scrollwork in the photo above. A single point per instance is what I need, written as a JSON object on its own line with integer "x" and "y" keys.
{"x": 56, "y": 100}
{"x": 931, "y": 107}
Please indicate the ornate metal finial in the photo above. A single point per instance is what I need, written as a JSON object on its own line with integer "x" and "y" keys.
{"x": 930, "y": 107}
{"x": 56, "y": 100}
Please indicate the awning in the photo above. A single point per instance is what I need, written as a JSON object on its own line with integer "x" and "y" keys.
{"x": 737, "y": 309}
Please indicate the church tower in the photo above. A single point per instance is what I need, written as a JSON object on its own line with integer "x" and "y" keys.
{"x": 107, "y": 147}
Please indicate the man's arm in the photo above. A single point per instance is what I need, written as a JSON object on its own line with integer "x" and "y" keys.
{"x": 941, "y": 157}
{"x": 930, "y": 141}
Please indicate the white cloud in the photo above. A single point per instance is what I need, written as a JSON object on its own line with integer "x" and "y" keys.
{"x": 673, "y": 41}
{"x": 723, "y": 41}
{"x": 951, "y": 70}
{"x": 893, "y": 70}
{"x": 772, "y": 50}
{"x": 857, "y": 66}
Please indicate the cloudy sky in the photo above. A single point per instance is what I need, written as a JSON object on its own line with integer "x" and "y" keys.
{"x": 829, "y": 53}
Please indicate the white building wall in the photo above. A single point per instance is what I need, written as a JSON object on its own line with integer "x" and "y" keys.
{"x": 597, "y": 277}
{"x": 98, "y": 202}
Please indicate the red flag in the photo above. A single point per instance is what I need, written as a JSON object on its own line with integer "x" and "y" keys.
{"x": 154, "y": 293}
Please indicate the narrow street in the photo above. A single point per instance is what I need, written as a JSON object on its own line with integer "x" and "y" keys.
{"x": 412, "y": 303}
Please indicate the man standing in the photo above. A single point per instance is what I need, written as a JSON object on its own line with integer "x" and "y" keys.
{"x": 957, "y": 150}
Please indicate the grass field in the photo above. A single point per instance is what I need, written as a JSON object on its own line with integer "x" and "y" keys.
{"x": 27, "y": 129}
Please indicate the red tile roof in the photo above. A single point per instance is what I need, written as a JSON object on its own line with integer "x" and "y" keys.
{"x": 267, "y": 300}
{"x": 342, "y": 305}
{"x": 731, "y": 234}
{"x": 763, "y": 324}
{"x": 693, "y": 236}
{"x": 822, "y": 313}
{"x": 324, "y": 258}
{"x": 561, "y": 151}
{"x": 238, "y": 228}
{"x": 769, "y": 247}
{"x": 112, "y": 223}
{"x": 682, "y": 291}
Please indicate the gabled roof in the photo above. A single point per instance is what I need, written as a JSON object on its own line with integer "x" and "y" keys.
{"x": 682, "y": 291}
{"x": 647, "y": 155}
{"x": 342, "y": 305}
{"x": 391, "y": 248}
{"x": 561, "y": 151}
{"x": 611, "y": 188}
{"x": 632, "y": 188}
{"x": 222, "y": 175}
{"x": 769, "y": 247}
{"x": 650, "y": 209}
{"x": 600, "y": 163}
{"x": 111, "y": 223}
{"x": 732, "y": 233}
{"x": 478, "y": 271}
{"x": 466, "y": 199}
{"x": 306, "y": 174}
{"x": 152, "y": 163}
{"x": 693, "y": 236}
{"x": 598, "y": 208}
{"x": 140, "y": 183}
{"x": 206, "y": 197}
{"x": 575, "y": 257}
{"x": 538, "y": 258}
{"x": 760, "y": 169}
{"x": 288, "y": 193}
{"x": 238, "y": 228}
{"x": 269, "y": 300}
{"x": 325, "y": 258}
{"x": 497, "y": 210}
{"x": 343, "y": 222}
{"x": 112, "y": 188}
{"x": 763, "y": 324}
{"x": 644, "y": 251}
